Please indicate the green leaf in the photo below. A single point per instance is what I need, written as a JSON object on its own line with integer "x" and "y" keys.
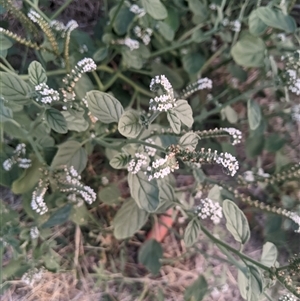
{"x": 75, "y": 120}
{"x": 129, "y": 219}
{"x": 192, "y": 231}
{"x": 110, "y": 195}
{"x": 135, "y": 58}
{"x": 196, "y": 291}
{"x": 215, "y": 194}
{"x": 79, "y": 215}
{"x": 254, "y": 145}
{"x": 83, "y": 86}
{"x": 274, "y": 143}
{"x": 14, "y": 88}
{"x": 143, "y": 191}
{"x": 189, "y": 140}
{"x": 5, "y": 42}
{"x": 184, "y": 112}
{"x": 249, "y": 51}
{"x": 192, "y": 62}
{"x": 129, "y": 124}
{"x": 37, "y": 74}
{"x": 56, "y": 121}
{"x": 198, "y": 36}
{"x": 269, "y": 254}
{"x": 251, "y": 284}
{"x": 5, "y": 112}
{"x": 256, "y": 26}
{"x": 28, "y": 179}
{"x": 236, "y": 222}
{"x": 167, "y": 196}
{"x": 123, "y": 19}
{"x": 254, "y": 114}
{"x": 166, "y": 31}
{"x": 100, "y": 54}
{"x": 104, "y": 106}
{"x": 155, "y": 9}
{"x": 119, "y": 161}
{"x": 58, "y": 217}
{"x": 174, "y": 121}
{"x": 230, "y": 114}
{"x": 150, "y": 254}
{"x": 277, "y": 19}
{"x": 70, "y": 153}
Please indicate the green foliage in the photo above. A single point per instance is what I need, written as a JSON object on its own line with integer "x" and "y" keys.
{"x": 209, "y": 64}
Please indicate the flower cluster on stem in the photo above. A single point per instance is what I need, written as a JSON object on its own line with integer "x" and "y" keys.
{"x": 37, "y": 200}
{"x": 143, "y": 34}
{"x": 292, "y": 70}
{"x": 83, "y": 66}
{"x": 45, "y": 94}
{"x": 165, "y": 100}
{"x": 200, "y": 84}
{"x": 32, "y": 276}
{"x": 18, "y": 158}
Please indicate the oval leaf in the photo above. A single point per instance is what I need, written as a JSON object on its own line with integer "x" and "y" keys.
{"x": 249, "y": 51}
{"x": 196, "y": 291}
{"x": 189, "y": 140}
{"x": 150, "y": 254}
{"x": 143, "y": 191}
{"x": 104, "y": 106}
{"x": 174, "y": 121}
{"x": 276, "y": 18}
{"x": 250, "y": 283}
{"x": 37, "y": 74}
{"x": 75, "y": 120}
{"x": 56, "y": 121}
{"x": 129, "y": 124}
{"x": 70, "y": 153}
{"x": 119, "y": 161}
{"x": 269, "y": 254}
{"x": 184, "y": 112}
{"x": 256, "y": 26}
{"x": 14, "y": 88}
{"x": 192, "y": 232}
{"x": 59, "y": 217}
{"x": 110, "y": 195}
{"x": 254, "y": 114}
{"x": 155, "y": 9}
{"x": 237, "y": 222}
{"x": 123, "y": 225}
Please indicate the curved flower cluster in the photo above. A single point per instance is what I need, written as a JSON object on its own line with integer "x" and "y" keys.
{"x": 165, "y": 101}
{"x": 235, "y": 134}
{"x": 34, "y": 233}
{"x": 45, "y": 94}
{"x": 229, "y": 162}
{"x": 294, "y": 217}
{"x": 17, "y": 158}
{"x": 137, "y": 10}
{"x": 63, "y": 29}
{"x": 236, "y": 25}
{"x": 296, "y": 112}
{"x": 32, "y": 276}
{"x": 37, "y": 201}
{"x": 287, "y": 297}
{"x": 130, "y": 43}
{"x": 162, "y": 167}
{"x": 200, "y": 84}
{"x": 209, "y": 209}
{"x": 83, "y": 66}
{"x": 69, "y": 181}
{"x": 292, "y": 71}
{"x": 136, "y": 163}
{"x": 150, "y": 150}
{"x": 143, "y": 34}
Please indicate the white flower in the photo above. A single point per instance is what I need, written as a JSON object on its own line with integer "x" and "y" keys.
{"x": 236, "y": 25}
{"x": 213, "y": 6}
{"x": 17, "y": 158}
{"x": 37, "y": 201}
{"x": 104, "y": 181}
{"x": 296, "y": 112}
{"x": 45, "y": 94}
{"x": 32, "y": 276}
{"x": 34, "y": 232}
{"x": 150, "y": 150}
{"x": 137, "y": 162}
{"x": 209, "y": 209}
{"x": 200, "y": 84}
{"x": 137, "y": 10}
{"x": 287, "y": 297}
{"x": 248, "y": 176}
{"x": 130, "y": 43}
{"x": 86, "y": 65}
{"x": 235, "y": 133}
{"x": 229, "y": 162}
{"x": 34, "y": 16}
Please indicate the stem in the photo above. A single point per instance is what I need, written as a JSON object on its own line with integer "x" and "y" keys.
{"x": 7, "y": 63}
{"x": 230, "y": 102}
{"x": 236, "y": 35}
{"x": 212, "y": 58}
{"x": 137, "y": 141}
{"x": 98, "y": 81}
{"x": 236, "y": 252}
{"x": 61, "y": 9}
{"x": 2, "y": 66}
{"x": 115, "y": 16}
